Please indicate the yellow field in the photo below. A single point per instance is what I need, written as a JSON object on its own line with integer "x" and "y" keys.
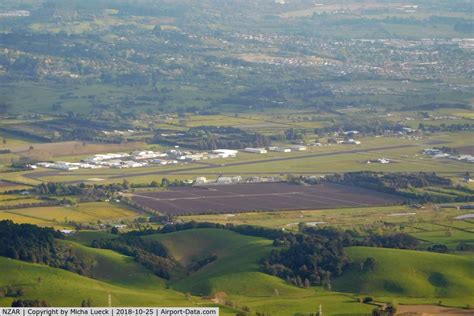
{"x": 60, "y": 216}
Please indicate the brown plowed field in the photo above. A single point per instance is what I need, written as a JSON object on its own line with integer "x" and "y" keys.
{"x": 260, "y": 197}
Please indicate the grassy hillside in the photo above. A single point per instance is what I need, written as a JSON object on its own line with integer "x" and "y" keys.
{"x": 237, "y": 256}
{"x": 411, "y": 274}
{"x": 63, "y": 288}
{"x": 114, "y": 268}
{"x": 236, "y": 276}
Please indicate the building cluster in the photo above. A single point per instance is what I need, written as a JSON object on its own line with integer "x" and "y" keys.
{"x": 137, "y": 159}
{"x": 234, "y": 180}
{"x": 379, "y": 160}
{"x": 15, "y": 13}
{"x": 438, "y": 154}
{"x": 276, "y": 149}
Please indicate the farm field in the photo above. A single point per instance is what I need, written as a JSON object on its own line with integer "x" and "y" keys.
{"x": 9, "y": 186}
{"x": 411, "y": 219}
{"x": 267, "y": 157}
{"x": 259, "y": 197}
{"x": 67, "y": 217}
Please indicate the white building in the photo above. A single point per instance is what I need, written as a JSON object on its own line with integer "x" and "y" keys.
{"x": 225, "y": 153}
{"x": 229, "y": 180}
{"x": 353, "y": 142}
{"x": 255, "y": 150}
{"x": 280, "y": 149}
{"x": 298, "y": 147}
{"x": 200, "y": 180}
{"x": 144, "y": 154}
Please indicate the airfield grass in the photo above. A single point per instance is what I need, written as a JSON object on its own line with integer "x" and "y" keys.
{"x": 410, "y": 274}
{"x": 407, "y": 159}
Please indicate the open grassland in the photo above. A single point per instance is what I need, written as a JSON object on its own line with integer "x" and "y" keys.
{"x": 406, "y": 155}
{"x": 114, "y": 268}
{"x": 129, "y": 284}
{"x": 317, "y": 160}
{"x": 63, "y": 288}
{"x": 63, "y": 217}
{"x": 411, "y": 276}
{"x": 236, "y": 254}
{"x": 448, "y": 236}
{"x": 235, "y": 276}
{"x": 410, "y": 218}
{"x": 407, "y": 277}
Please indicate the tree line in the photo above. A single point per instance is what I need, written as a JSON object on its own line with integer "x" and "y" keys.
{"x": 150, "y": 254}
{"x": 35, "y": 244}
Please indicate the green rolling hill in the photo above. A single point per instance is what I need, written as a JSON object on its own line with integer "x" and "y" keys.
{"x": 235, "y": 275}
{"x": 234, "y": 278}
{"x": 63, "y": 288}
{"x": 411, "y": 274}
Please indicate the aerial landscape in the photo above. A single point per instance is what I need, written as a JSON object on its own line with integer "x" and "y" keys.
{"x": 264, "y": 157}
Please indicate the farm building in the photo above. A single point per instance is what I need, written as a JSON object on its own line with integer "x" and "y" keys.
{"x": 298, "y": 147}
{"x": 60, "y": 165}
{"x": 280, "y": 149}
{"x": 352, "y": 142}
{"x": 379, "y": 160}
{"x": 225, "y": 153}
{"x": 255, "y": 150}
{"x": 228, "y": 180}
{"x": 200, "y": 180}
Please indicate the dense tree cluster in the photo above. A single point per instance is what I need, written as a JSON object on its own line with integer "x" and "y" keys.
{"x": 35, "y": 244}
{"x": 398, "y": 240}
{"x": 86, "y": 192}
{"x": 213, "y": 137}
{"x": 317, "y": 254}
{"x": 30, "y": 303}
{"x": 389, "y": 181}
{"x": 151, "y": 254}
{"x": 443, "y": 127}
{"x": 27, "y": 205}
{"x": 421, "y": 186}
{"x": 28, "y": 242}
{"x": 363, "y": 125}
{"x": 310, "y": 258}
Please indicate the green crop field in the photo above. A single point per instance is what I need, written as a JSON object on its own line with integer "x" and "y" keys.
{"x": 410, "y": 274}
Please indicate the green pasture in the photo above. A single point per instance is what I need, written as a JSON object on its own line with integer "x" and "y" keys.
{"x": 415, "y": 275}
